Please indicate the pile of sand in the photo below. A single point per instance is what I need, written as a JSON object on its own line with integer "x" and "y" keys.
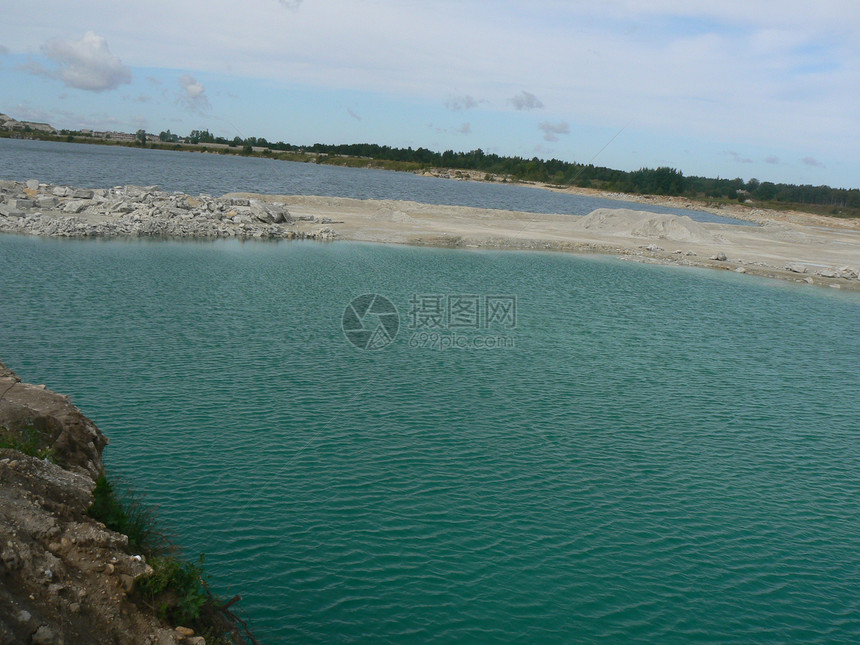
{"x": 629, "y": 223}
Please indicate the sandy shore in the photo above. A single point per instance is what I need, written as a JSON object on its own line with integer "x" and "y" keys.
{"x": 794, "y": 246}
{"x": 819, "y": 250}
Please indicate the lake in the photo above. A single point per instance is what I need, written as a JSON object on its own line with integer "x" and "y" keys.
{"x": 544, "y": 448}
{"x": 96, "y": 166}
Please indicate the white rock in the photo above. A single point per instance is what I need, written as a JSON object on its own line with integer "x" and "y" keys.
{"x": 74, "y": 206}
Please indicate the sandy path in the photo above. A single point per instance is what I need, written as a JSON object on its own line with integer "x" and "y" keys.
{"x": 814, "y": 242}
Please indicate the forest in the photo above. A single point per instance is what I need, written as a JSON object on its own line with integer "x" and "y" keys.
{"x": 651, "y": 181}
{"x": 844, "y": 202}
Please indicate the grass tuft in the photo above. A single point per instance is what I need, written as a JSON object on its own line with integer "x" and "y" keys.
{"x": 177, "y": 590}
{"x": 29, "y": 440}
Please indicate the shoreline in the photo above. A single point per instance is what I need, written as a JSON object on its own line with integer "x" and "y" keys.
{"x": 787, "y": 245}
{"x": 77, "y": 557}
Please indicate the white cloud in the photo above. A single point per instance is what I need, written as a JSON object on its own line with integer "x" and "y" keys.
{"x": 552, "y": 130}
{"x": 193, "y": 95}
{"x": 739, "y": 158}
{"x": 769, "y": 77}
{"x": 457, "y": 103}
{"x": 525, "y": 101}
{"x": 812, "y": 161}
{"x": 464, "y": 128}
{"x": 85, "y": 64}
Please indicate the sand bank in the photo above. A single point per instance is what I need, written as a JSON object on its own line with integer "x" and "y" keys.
{"x": 811, "y": 249}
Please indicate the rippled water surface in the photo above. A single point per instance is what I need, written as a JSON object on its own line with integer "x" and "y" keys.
{"x": 663, "y": 455}
{"x": 194, "y": 173}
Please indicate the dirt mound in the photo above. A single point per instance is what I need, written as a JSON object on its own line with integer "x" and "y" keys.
{"x": 630, "y": 223}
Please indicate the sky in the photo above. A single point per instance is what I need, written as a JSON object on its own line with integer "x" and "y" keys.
{"x": 736, "y": 88}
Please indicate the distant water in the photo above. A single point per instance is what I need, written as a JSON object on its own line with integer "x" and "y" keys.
{"x": 662, "y": 455}
{"x": 97, "y": 166}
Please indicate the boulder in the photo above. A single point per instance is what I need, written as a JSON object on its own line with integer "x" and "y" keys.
{"x": 32, "y": 184}
{"x": 720, "y": 257}
{"x": 279, "y": 213}
{"x": 82, "y": 193}
{"x": 795, "y": 267}
{"x": 7, "y": 211}
{"x": 74, "y": 206}
{"x": 261, "y": 211}
{"x": 20, "y": 204}
{"x": 46, "y": 202}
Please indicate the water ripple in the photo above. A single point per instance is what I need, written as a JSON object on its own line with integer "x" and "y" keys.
{"x": 643, "y": 468}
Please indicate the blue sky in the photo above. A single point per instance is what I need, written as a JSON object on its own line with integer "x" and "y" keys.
{"x": 745, "y": 89}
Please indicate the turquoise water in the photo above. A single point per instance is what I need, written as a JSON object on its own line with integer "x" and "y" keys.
{"x": 653, "y": 455}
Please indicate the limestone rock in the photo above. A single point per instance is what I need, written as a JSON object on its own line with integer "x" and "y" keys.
{"x": 74, "y": 440}
{"x": 43, "y": 636}
{"x": 135, "y": 211}
{"x": 46, "y": 202}
{"x": 74, "y": 206}
{"x": 8, "y": 211}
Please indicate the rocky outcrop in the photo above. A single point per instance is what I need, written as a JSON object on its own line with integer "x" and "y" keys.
{"x": 64, "y": 577}
{"x": 52, "y": 422}
{"x": 144, "y": 211}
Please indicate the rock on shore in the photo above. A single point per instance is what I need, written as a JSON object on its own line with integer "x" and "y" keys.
{"x": 145, "y": 211}
{"x": 64, "y": 577}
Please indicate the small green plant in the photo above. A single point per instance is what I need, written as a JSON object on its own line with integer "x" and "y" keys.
{"x": 176, "y": 589}
{"x": 125, "y": 513}
{"x": 28, "y": 440}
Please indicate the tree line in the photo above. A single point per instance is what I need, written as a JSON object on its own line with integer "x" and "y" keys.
{"x": 652, "y": 181}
